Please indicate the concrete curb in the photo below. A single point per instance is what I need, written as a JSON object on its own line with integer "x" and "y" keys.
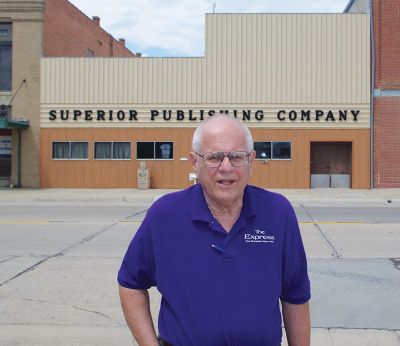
{"x": 381, "y": 196}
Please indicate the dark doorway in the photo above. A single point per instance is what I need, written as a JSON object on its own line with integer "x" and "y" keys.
{"x": 330, "y": 164}
{"x": 5, "y": 157}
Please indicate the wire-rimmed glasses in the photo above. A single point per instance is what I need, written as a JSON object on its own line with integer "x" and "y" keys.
{"x": 236, "y": 158}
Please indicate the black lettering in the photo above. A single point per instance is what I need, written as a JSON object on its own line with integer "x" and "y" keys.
{"x": 305, "y": 115}
{"x": 53, "y": 114}
{"x": 292, "y": 115}
{"x": 330, "y": 116}
{"x": 211, "y": 113}
{"x": 121, "y": 115}
{"x": 259, "y": 115}
{"x": 132, "y": 114}
{"x": 246, "y": 115}
{"x": 201, "y": 114}
{"x": 110, "y": 115}
{"x": 342, "y": 115}
{"x": 77, "y": 113}
{"x": 88, "y": 115}
{"x": 64, "y": 114}
{"x": 191, "y": 117}
{"x": 100, "y": 115}
{"x": 154, "y": 113}
{"x": 235, "y": 113}
{"x": 280, "y": 115}
{"x": 355, "y": 115}
{"x": 167, "y": 114}
{"x": 318, "y": 114}
{"x": 180, "y": 115}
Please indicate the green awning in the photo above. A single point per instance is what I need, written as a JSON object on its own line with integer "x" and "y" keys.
{"x": 13, "y": 124}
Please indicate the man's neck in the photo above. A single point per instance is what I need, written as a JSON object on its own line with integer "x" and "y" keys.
{"x": 226, "y": 215}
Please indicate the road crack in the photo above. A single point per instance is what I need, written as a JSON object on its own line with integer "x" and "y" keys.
{"x": 69, "y": 248}
{"x": 7, "y": 259}
{"x": 58, "y": 304}
{"x": 334, "y": 253}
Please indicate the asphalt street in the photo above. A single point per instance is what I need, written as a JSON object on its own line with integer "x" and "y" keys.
{"x": 59, "y": 260}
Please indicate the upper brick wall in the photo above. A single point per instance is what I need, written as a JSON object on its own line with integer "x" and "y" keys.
{"x": 387, "y": 43}
{"x": 68, "y": 32}
{"x": 387, "y": 142}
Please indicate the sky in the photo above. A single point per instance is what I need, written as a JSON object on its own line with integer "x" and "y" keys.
{"x": 175, "y": 28}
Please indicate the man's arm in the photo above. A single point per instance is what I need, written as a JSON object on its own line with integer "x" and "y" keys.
{"x": 136, "y": 308}
{"x": 297, "y": 323}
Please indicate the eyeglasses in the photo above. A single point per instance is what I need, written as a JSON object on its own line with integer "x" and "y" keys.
{"x": 236, "y": 158}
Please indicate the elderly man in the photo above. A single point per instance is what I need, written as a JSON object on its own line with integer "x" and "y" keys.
{"x": 222, "y": 254}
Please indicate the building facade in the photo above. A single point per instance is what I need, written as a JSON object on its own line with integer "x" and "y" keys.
{"x": 299, "y": 81}
{"x": 385, "y": 76}
{"x": 320, "y": 93}
{"x": 30, "y": 30}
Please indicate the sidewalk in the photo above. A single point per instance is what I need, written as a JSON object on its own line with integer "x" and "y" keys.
{"x": 126, "y": 195}
{"x": 120, "y": 336}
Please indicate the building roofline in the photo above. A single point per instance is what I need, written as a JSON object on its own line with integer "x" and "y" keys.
{"x": 91, "y": 20}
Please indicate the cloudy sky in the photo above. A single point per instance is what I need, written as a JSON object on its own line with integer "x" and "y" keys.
{"x": 176, "y": 27}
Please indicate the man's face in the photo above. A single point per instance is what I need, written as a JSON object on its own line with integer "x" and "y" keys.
{"x": 223, "y": 185}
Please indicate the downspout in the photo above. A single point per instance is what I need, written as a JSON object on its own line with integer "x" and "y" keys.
{"x": 372, "y": 95}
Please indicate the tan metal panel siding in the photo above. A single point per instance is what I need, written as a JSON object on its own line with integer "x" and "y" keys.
{"x": 296, "y": 42}
{"x": 250, "y": 59}
{"x": 366, "y": 55}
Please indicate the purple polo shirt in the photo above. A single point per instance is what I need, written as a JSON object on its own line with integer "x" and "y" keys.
{"x": 219, "y": 288}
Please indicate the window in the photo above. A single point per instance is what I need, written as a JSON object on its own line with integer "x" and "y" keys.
{"x": 112, "y": 150}
{"x": 155, "y": 150}
{"x": 273, "y": 150}
{"x": 70, "y": 151}
{"x": 5, "y": 57}
{"x": 90, "y": 53}
{"x": 263, "y": 150}
{"x": 281, "y": 150}
{"x": 163, "y": 150}
{"x": 5, "y": 111}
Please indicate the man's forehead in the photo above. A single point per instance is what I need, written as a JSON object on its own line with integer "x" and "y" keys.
{"x": 222, "y": 127}
{"x": 214, "y": 142}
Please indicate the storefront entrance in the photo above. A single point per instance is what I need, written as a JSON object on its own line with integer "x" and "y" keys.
{"x": 5, "y": 157}
{"x": 331, "y": 164}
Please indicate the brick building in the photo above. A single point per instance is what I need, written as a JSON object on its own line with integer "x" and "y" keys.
{"x": 385, "y": 64}
{"x": 68, "y": 32}
{"x": 30, "y": 30}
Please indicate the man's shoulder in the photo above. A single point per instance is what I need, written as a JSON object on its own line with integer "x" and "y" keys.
{"x": 265, "y": 198}
{"x": 174, "y": 201}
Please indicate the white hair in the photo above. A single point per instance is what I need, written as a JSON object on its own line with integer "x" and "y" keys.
{"x": 198, "y": 133}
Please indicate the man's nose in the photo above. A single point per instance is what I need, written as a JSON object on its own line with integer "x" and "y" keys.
{"x": 226, "y": 164}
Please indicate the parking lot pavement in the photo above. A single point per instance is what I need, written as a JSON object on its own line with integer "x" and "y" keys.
{"x": 60, "y": 251}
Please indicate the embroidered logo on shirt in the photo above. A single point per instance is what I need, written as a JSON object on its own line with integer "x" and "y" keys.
{"x": 259, "y": 237}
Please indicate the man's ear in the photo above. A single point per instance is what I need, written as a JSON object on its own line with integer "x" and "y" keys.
{"x": 193, "y": 160}
{"x": 251, "y": 161}
{"x": 252, "y": 156}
